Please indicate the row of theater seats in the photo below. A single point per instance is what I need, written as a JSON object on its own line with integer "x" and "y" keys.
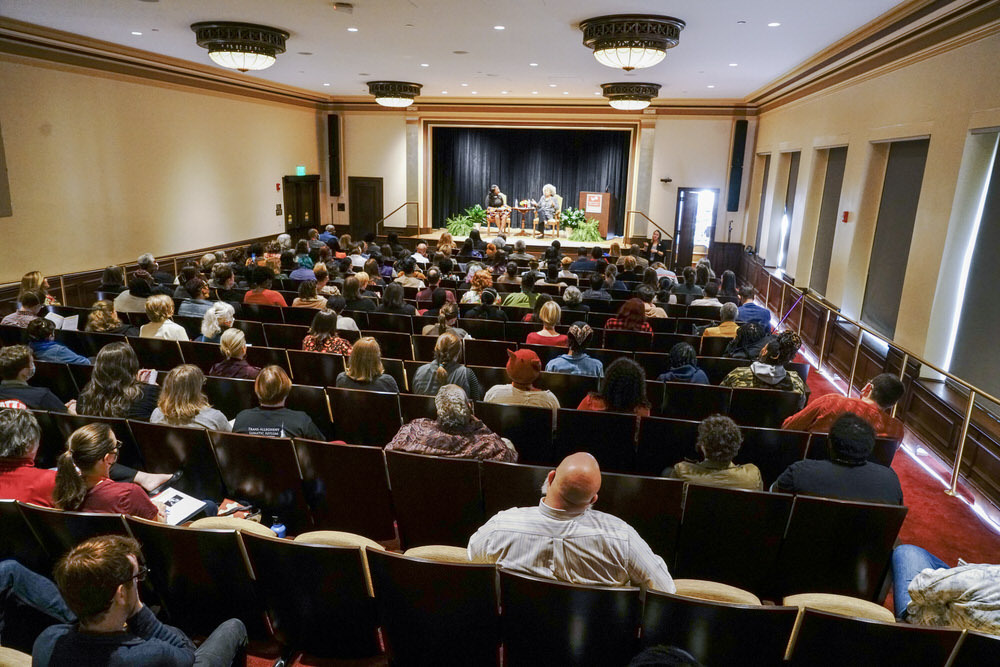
{"x": 760, "y": 541}
{"x": 337, "y": 601}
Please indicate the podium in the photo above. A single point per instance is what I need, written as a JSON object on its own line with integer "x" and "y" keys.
{"x": 598, "y": 206}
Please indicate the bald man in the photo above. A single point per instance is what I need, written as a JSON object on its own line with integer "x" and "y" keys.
{"x": 563, "y": 539}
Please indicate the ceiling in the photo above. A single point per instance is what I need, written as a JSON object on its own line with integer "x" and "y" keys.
{"x": 726, "y": 52}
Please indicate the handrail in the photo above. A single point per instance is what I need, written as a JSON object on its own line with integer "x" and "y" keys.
{"x": 384, "y": 217}
{"x": 907, "y": 355}
{"x": 662, "y": 232}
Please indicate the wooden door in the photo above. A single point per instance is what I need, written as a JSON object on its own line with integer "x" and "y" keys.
{"x": 694, "y": 218}
{"x": 301, "y": 197}
{"x": 364, "y": 198}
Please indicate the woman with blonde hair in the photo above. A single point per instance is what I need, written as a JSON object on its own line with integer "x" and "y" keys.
{"x": 446, "y": 244}
{"x": 308, "y": 298}
{"x": 159, "y": 309}
{"x": 35, "y": 280}
{"x": 481, "y": 280}
{"x": 447, "y": 368}
{"x": 233, "y": 344}
{"x": 182, "y": 402}
{"x": 104, "y": 319}
{"x": 550, "y": 314}
{"x": 447, "y": 319}
{"x": 217, "y": 319}
{"x": 365, "y": 370}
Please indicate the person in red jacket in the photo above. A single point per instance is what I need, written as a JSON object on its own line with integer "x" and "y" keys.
{"x": 874, "y": 406}
{"x": 19, "y": 478}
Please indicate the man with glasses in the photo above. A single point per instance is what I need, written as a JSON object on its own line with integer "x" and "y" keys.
{"x": 99, "y": 582}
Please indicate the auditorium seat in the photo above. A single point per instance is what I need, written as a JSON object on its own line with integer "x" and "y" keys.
{"x": 230, "y": 395}
{"x": 395, "y": 368}
{"x": 704, "y": 312}
{"x": 19, "y": 542}
{"x": 416, "y": 406}
{"x": 732, "y": 536}
{"x": 253, "y": 330}
{"x": 718, "y": 633}
{"x": 483, "y": 329}
{"x": 975, "y": 650}
{"x": 636, "y": 341}
{"x": 261, "y": 356}
{"x": 663, "y": 442}
{"x": 487, "y": 352}
{"x": 547, "y": 622}
{"x": 684, "y": 400}
{"x": 662, "y": 342}
{"x": 435, "y": 613}
{"x": 651, "y": 505}
{"x": 714, "y": 346}
{"x": 52, "y": 443}
{"x": 59, "y": 531}
{"x": 423, "y": 348}
{"x": 128, "y": 451}
{"x": 346, "y": 487}
{"x": 362, "y": 417}
{"x": 87, "y": 343}
{"x": 394, "y": 345}
{"x": 766, "y": 408}
{"x": 528, "y": 427}
{"x": 288, "y": 336}
{"x": 313, "y": 401}
{"x": 202, "y": 355}
{"x": 771, "y": 450}
{"x": 717, "y": 368}
{"x": 315, "y": 368}
{"x": 588, "y": 431}
{"x": 57, "y": 377}
{"x": 168, "y": 449}
{"x": 841, "y": 604}
{"x": 507, "y": 485}
{"x": 437, "y": 500}
{"x": 569, "y": 389}
{"x": 192, "y": 325}
{"x": 11, "y": 335}
{"x": 163, "y": 355}
{"x": 516, "y": 331}
{"x": 490, "y": 376}
{"x": 390, "y": 322}
{"x": 713, "y": 591}
{"x": 258, "y": 313}
{"x": 544, "y": 352}
{"x": 316, "y": 597}
{"x": 300, "y": 316}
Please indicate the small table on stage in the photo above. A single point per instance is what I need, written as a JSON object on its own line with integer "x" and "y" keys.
{"x": 523, "y": 210}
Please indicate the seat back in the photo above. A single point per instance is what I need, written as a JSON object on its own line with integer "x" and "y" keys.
{"x": 766, "y": 408}
{"x": 263, "y": 471}
{"x": 716, "y": 633}
{"x": 167, "y": 449}
{"x": 663, "y": 443}
{"x": 482, "y": 329}
{"x": 651, "y": 505}
{"x": 347, "y": 488}
{"x": 416, "y": 406}
{"x": 53, "y": 442}
{"x": 87, "y": 343}
{"x": 19, "y": 541}
{"x": 717, "y": 368}
{"x": 230, "y": 395}
{"x": 316, "y": 596}
{"x": 202, "y": 355}
{"x": 529, "y": 428}
{"x": 576, "y": 429}
{"x": 704, "y": 312}
{"x": 507, "y": 485}
{"x": 489, "y": 376}
{"x": 714, "y": 346}
{"x": 301, "y": 316}
{"x": 771, "y": 450}
{"x": 569, "y": 389}
{"x": 837, "y": 546}
{"x": 60, "y": 531}
{"x": 57, "y": 378}
{"x": 157, "y": 353}
{"x": 438, "y": 500}
{"x": 261, "y": 356}
{"x": 288, "y": 336}
{"x": 201, "y": 576}
{"x": 637, "y": 341}
{"x": 390, "y": 322}
{"x": 423, "y": 347}
{"x": 259, "y": 313}
{"x": 548, "y": 622}
{"x": 364, "y": 417}
{"x": 683, "y": 400}
{"x": 731, "y": 536}
{"x": 128, "y": 451}
{"x": 313, "y": 401}
{"x": 831, "y": 639}
{"x": 435, "y": 613}
{"x": 394, "y": 345}
{"x": 487, "y": 352}
{"x": 253, "y": 330}
{"x": 976, "y": 649}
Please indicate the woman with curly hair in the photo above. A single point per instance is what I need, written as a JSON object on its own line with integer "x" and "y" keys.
{"x": 480, "y": 281}
{"x": 750, "y": 339}
{"x": 631, "y": 317}
{"x": 623, "y": 389}
{"x": 322, "y": 336}
{"x": 104, "y": 319}
{"x": 117, "y": 387}
{"x": 768, "y": 371}
{"x": 447, "y": 368}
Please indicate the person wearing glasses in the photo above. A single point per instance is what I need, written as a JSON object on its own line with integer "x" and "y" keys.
{"x": 102, "y": 621}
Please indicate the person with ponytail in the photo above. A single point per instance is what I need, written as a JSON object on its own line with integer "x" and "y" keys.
{"x": 83, "y": 483}
{"x": 447, "y": 319}
{"x": 216, "y": 319}
{"x": 233, "y": 344}
{"x": 768, "y": 371}
{"x": 446, "y": 368}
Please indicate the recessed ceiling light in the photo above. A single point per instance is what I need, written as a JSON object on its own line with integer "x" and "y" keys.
{"x": 565, "y": 92}
{"x": 425, "y": 64}
{"x": 499, "y": 27}
{"x": 552, "y": 85}
{"x": 474, "y": 92}
{"x": 773, "y": 24}
{"x": 136, "y": 33}
{"x": 534, "y": 92}
{"x": 597, "y": 92}
{"x": 326, "y": 84}
{"x": 734, "y": 64}
{"x": 352, "y": 30}
{"x": 465, "y": 84}
{"x": 532, "y": 64}
{"x": 444, "y": 92}
{"x": 710, "y": 86}
{"x": 503, "y": 92}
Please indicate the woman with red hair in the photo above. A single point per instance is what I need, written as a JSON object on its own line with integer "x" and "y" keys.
{"x": 631, "y": 317}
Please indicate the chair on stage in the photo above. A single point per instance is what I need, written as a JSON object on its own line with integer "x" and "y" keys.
{"x": 551, "y": 222}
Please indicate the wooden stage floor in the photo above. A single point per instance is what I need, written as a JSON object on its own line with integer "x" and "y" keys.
{"x": 530, "y": 241}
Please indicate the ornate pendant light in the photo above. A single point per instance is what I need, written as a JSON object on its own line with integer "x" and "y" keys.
{"x": 629, "y": 96}
{"x": 394, "y": 93}
{"x": 631, "y": 41}
{"x": 240, "y": 46}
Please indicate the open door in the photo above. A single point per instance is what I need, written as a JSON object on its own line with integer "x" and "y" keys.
{"x": 694, "y": 226}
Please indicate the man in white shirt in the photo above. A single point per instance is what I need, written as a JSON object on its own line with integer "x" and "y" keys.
{"x": 420, "y": 256}
{"x": 562, "y": 538}
{"x": 523, "y": 368}
{"x": 711, "y": 297}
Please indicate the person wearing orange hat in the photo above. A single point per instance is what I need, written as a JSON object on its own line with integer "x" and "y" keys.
{"x": 523, "y": 368}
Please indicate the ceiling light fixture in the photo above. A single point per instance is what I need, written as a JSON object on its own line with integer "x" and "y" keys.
{"x": 352, "y": 30}
{"x": 499, "y": 27}
{"x": 425, "y": 64}
{"x": 137, "y": 33}
{"x": 532, "y": 64}
{"x": 240, "y": 46}
{"x": 773, "y": 24}
{"x": 629, "y": 96}
{"x": 631, "y": 41}
{"x": 326, "y": 84}
{"x": 734, "y": 64}
{"x": 394, "y": 93}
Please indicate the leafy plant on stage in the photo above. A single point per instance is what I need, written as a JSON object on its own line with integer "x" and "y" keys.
{"x": 581, "y": 229}
{"x": 462, "y": 223}
{"x": 476, "y": 215}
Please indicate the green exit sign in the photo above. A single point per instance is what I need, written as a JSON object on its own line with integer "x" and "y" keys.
{"x": 300, "y": 170}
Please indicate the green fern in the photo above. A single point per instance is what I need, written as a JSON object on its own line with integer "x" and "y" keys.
{"x": 586, "y": 232}
{"x": 476, "y": 215}
{"x": 459, "y": 225}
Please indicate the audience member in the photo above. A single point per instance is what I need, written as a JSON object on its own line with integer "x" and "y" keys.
{"x": 323, "y": 335}
{"x": 31, "y": 301}
{"x": 408, "y": 274}
{"x": 353, "y": 297}
{"x": 551, "y": 277}
{"x": 597, "y": 291}
{"x": 583, "y": 263}
{"x": 688, "y": 290}
{"x": 447, "y": 319}
{"x": 438, "y": 298}
{"x": 216, "y": 319}
{"x": 874, "y": 406}
{"x": 526, "y": 297}
{"x": 611, "y": 281}
{"x": 159, "y": 310}
{"x": 365, "y": 370}
{"x": 563, "y": 538}
{"x": 446, "y": 368}
{"x": 623, "y": 389}
{"x": 576, "y": 361}
{"x": 233, "y": 344}
{"x": 183, "y": 403}
{"x": 197, "y": 299}
{"x": 750, "y": 339}
{"x": 112, "y": 280}
{"x": 535, "y": 314}
{"x": 17, "y": 366}
{"x": 456, "y": 432}
{"x": 118, "y": 387}
{"x": 564, "y": 269}
{"x": 149, "y": 264}
{"x": 511, "y": 275}
{"x": 20, "y": 437}
{"x": 684, "y": 366}
{"x": 133, "y": 300}
{"x": 486, "y": 310}
{"x": 553, "y": 253}
{"x": 550, "y": 315}
{"x": 728, "y": 284}
{"x": 710, "y": 298}
{"x": 260, "y": 292}
{"x": 481, "y": 280}
{"x": 308, "y": 297}
{"x": 523, "y": 368}
{"x": 337, "y": 304}
{"x": 393, "y": 303}
{"x": 848, "y": 474}
{"x": 104, "y": 319}
{"x": 751, "y": 312}
{"x": 645, "y": 293}
{"x": 271, "y": 418}
{"x": 631, "y": 317}
{"x": 34, "y": 280}
{"x": 42, "y": 341}
{"x": 573, "y": 300}
{"x": 433, "y": 283}
{"x": 768, "y": 371}
{"x": 519, "y": 252}
{"x": 188, "y": 272}
{"x": 719, "y": 441}
{"x": 727, "y": 327}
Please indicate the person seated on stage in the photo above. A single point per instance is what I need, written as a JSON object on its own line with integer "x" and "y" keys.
{"x": 552, "y": 276}
{"x": 159, "y": 310}
{"x": 874, "y": 406}
{"x": 550, "y": 315}
{"x": 455, "y": 432}
{"x": 928, "y": 592}
{"x": 719, "y": 441}
{"x": 31, "y": 302}
{"x": 577, "y": 361}
{"x": 260, "y": 292}
{"x": 623, "y": 389}
{"x": 323, "y": 335}
{"x": 17, "y": 366}
{"x": 481, "y": 280}
{"x": 393, "y": 302}
{"x": 597, "y": 290}
{"x": 233, "y": 344}
{"x": 433, "y": 280}
{"x": 751, "y": 312}
{"x": 727, "y": 328}
{"x": 547, "y": 206}
{"x": 583, "y": 263}
{"x": 645, "y": 293}
{"x": 564, "y": 269}
{"x": 750, "y": 339}
{"x": 847, "y": 474}
{"x": 365, "y": 370}
{"x": 519, "y": 252}
{"x": 486, "y": 310}
{"x": 684, "y": 366}
{"x": 446, "y": 368}
{"x": 687, "y": 290}
{"x": 497, "y": 210}
{"x": 447, "y": 319}
{"x": 564, "y": 539}
{"x": 42, "y": 341}
{"x": 573, "y": 300}
{"x": 526, "y": 297}
{"x": 710, "y": 297}
{"x": 768, "y": 371}
{"x": 183, "y": 403}
{"x": 523, "y": 368}
{"x": 20, "y": 437}
{"x": 631, "y": 317}
{"x": 511, "y": 276}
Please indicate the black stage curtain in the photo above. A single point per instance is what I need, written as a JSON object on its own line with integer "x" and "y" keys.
{"x": 467, "y": 160}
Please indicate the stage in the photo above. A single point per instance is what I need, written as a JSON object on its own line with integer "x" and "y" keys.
{"x": 531, "y": 242}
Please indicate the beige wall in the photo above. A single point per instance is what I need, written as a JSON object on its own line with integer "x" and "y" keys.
{"x": 374, "y": 145}
{"x": 102, "y": 169}
{"x": 943, "y": 96}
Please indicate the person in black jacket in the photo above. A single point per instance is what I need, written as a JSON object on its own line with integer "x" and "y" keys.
{"x": 272, "y": 418}
{"x": 485, "y": 310}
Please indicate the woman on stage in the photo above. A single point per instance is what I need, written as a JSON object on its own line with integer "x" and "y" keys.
{"x": 547, "y": 205}
{"x": 497, "y": 210}
{"x": 657, "y": 247}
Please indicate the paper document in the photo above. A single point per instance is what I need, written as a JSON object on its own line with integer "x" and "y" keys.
{"x": 179, "y": 505}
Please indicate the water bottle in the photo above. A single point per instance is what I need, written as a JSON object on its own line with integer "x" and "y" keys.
{"x": 277, "y": 527}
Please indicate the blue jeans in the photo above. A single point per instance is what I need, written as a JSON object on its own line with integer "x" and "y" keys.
{"x": 22, "y": 589}
{"x": 223, "y": 646}
{"x": 907, "y": 562}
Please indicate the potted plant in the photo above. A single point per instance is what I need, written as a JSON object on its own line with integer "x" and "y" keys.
{"x": 580, "y": 228}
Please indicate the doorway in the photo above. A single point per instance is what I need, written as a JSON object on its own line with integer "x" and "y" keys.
{"x": 364, "y": 200}
{"x": 694, "y": 226}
